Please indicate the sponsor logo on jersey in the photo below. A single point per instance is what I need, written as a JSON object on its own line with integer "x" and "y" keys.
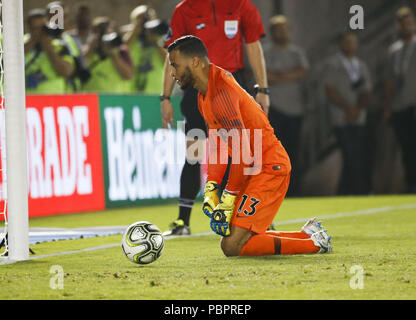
{"x": 231, "y": 28}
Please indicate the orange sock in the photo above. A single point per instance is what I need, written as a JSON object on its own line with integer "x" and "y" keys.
{"x": 297, "y": 246}
{"x": 260, "y": 245}
{"x": 267, "y": 244}
{"x": 289, "y": 234}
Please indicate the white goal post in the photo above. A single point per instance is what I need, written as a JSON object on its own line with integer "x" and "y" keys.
{"x": 17, "y": 223}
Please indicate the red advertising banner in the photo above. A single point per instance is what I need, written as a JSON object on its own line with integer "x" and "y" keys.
{"x": 65, "y": 167}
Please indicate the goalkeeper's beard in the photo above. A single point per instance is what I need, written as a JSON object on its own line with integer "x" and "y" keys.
{"x": 187, "y": 80}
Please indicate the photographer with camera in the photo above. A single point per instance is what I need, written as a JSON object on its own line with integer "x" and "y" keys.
{"x": 80, "y": 74}
{"x": 348, "y": 90}
{"x": 48, "y": 62}
{"x": 144, "y": 39}
{"x": 108, "y": 60}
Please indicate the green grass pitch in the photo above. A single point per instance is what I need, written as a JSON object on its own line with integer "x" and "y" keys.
{"x": 380, "y": 242}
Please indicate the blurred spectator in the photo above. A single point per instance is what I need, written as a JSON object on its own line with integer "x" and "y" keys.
{"x": 108, "y": 60}
{"x": 51, "y": 10}
{"x": 48, "y": 62}
{"x": 75, "y": 80}
{"x": 287, "y": 68}
{"x": 82, "y": 33}
{"x": 348, "y": 89}
{"x": 400, "y": 96}
{"x": 144, "y": 39}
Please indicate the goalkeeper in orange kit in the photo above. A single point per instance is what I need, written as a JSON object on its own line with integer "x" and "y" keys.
{"x": 260, "y": 167}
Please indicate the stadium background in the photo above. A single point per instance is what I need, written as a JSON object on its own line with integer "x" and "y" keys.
{"x": 373, "y": 235}
{"x": 320, "y": 155}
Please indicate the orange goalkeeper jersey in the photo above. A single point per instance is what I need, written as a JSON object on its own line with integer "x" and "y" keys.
{"x": 256, "y": 149}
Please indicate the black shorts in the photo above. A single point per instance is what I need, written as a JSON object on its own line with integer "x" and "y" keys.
{"x": 189, "y": 106}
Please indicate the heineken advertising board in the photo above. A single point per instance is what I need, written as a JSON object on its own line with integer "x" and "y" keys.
{"x": 142, "y": 162}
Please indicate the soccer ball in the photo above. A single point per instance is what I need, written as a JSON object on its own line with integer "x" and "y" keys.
{"x": 142, "y": 242}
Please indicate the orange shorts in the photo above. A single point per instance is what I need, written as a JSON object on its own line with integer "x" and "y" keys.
{"x": 260, "y": 199}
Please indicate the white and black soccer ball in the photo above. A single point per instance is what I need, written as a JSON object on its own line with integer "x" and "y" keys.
{"x": 142, "y": 242}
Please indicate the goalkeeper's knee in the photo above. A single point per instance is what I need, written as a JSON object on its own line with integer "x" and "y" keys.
{"x": 230, "y": 248}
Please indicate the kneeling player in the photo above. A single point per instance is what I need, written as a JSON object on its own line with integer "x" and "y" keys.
{"x": 256, "y": 190}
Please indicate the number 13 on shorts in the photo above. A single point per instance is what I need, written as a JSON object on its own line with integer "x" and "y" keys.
{"x": 247, "y": 206}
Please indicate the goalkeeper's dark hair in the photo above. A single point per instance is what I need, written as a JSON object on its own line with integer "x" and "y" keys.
{"x": 190, "y": 46}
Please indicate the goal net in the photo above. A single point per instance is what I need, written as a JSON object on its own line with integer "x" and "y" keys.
{"x": 3, "y": 188}
{"x": 13, "y": 164}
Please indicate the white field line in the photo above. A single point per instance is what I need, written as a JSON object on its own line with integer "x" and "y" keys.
{"x": 330, "y": 216}
{"x": 352, "y": 213}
